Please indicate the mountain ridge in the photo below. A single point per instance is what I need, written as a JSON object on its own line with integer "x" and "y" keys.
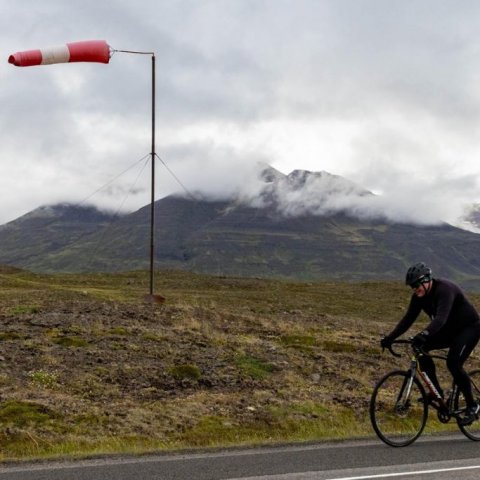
{"x": 261, "y": 236}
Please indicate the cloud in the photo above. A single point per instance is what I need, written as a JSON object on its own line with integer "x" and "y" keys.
{"x": 303, "y": 193}
{"x": 383, "y": 93}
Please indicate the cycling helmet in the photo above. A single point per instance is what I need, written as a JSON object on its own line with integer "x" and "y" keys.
{"x": 417, "y": 274}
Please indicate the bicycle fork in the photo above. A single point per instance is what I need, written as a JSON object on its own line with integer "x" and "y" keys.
{"x": 404, "y": 395}
{"x": 402, "y": 403}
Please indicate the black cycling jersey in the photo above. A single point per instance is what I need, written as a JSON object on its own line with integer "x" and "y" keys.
{"x": 447, "y": 306}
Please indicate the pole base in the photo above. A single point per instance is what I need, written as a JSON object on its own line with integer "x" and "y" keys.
{"x": 158, "y": 299}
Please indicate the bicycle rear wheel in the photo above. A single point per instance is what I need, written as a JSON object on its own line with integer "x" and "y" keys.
{"x": 471, "y": 431}
{"x": 398, "y": 409}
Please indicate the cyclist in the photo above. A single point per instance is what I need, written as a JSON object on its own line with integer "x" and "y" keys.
{"x": 454, "y": 324}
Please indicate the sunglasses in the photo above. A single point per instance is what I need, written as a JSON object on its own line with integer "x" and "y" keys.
{"x": 419, "y": 282}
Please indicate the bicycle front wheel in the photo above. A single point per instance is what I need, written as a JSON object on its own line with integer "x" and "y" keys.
{"x": 471, "y": 431}
{"x": 398, "y": 409}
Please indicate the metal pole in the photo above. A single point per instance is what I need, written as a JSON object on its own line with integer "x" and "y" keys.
{"x": 152, "y": 206}
{"x": 151, "y": 297}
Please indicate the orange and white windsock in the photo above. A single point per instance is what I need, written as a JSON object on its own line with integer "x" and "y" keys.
{"x": 87, "y": 51}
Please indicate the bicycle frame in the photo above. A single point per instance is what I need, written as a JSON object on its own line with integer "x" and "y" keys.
{"x": 446, "y": 405}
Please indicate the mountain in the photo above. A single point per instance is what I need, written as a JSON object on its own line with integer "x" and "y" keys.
{"x": 47, "y": 230}
{"x": 291, "y": 228}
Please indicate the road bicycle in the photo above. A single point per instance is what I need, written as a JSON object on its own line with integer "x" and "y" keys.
{"x": 399, "y": 403}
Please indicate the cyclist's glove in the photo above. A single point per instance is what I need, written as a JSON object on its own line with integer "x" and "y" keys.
{"x": 386, "y": 342}
{"x": 418, "y": 341}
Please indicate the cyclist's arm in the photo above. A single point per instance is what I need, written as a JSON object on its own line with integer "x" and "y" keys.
{"x": 406, "y": 322}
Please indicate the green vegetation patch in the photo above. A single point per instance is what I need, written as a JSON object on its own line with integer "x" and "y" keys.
{"x": 254, "y": 367}
{"x": 5, "y": 336}
{"x": 120, "y": 331}
{"x": 154, "y": 337}
{"x": 23, "y": 414}
{"x": 307, "y": 421}
{"x": 212, "y": 428}
{"x": 298, "y": 341}
{"x": 185, "y": 372}
{"x": 72, "y": 341}
{"x": 23, "y": 309}
{"x": 43, "y": 379}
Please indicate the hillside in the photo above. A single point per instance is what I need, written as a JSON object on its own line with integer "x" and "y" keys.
{"x": 47, "y": 230}
{"x": 86, "y": 367}
{"x": 285, "y": 232}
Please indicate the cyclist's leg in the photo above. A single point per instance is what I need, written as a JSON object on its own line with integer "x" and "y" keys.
{"x": 461, "y": 347}
{"x": 427, "y": 364}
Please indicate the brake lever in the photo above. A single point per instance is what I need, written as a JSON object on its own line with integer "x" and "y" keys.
{"x": 395, "y": 354}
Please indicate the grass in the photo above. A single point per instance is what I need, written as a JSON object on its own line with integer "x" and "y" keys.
{"x": 184, "y": 372}
{"x": 16, "y": 415}
{"x": 72, "y": 341}
{"x": 6, "y": 336}
{"x": 87, "y": 367}
{"x": 23, "y": 309}
{"x": 254, "y": 367}
{"x": 298, "y": 341}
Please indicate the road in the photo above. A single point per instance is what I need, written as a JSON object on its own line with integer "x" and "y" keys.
{"x": 440, "y": 459}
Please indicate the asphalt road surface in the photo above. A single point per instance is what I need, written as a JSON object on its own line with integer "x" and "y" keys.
{"x": 428, "y": 459}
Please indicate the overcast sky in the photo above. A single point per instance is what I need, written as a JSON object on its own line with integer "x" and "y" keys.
{"x": 384, "y": 93}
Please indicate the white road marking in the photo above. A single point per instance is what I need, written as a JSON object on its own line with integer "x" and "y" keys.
{"x": 318, "y": 475}
{"x": 404, "y": 474}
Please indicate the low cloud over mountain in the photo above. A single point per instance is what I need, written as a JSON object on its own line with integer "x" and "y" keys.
{"x": 320, "y": 193}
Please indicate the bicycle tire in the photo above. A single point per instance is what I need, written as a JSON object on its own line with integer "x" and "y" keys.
{"x": 470, "y": 431}
{"x": 398, "y": 421}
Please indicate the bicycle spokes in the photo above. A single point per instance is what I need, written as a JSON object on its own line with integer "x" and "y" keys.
{"x": 398, "y": 409}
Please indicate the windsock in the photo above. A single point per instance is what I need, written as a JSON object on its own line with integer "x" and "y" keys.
{"x": 87, "y": 51}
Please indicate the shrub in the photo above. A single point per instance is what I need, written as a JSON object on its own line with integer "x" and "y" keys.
{"x": 43, "y": 379}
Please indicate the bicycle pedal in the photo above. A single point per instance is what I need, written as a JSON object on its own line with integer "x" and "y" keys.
{"x": 443, "y": 415}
